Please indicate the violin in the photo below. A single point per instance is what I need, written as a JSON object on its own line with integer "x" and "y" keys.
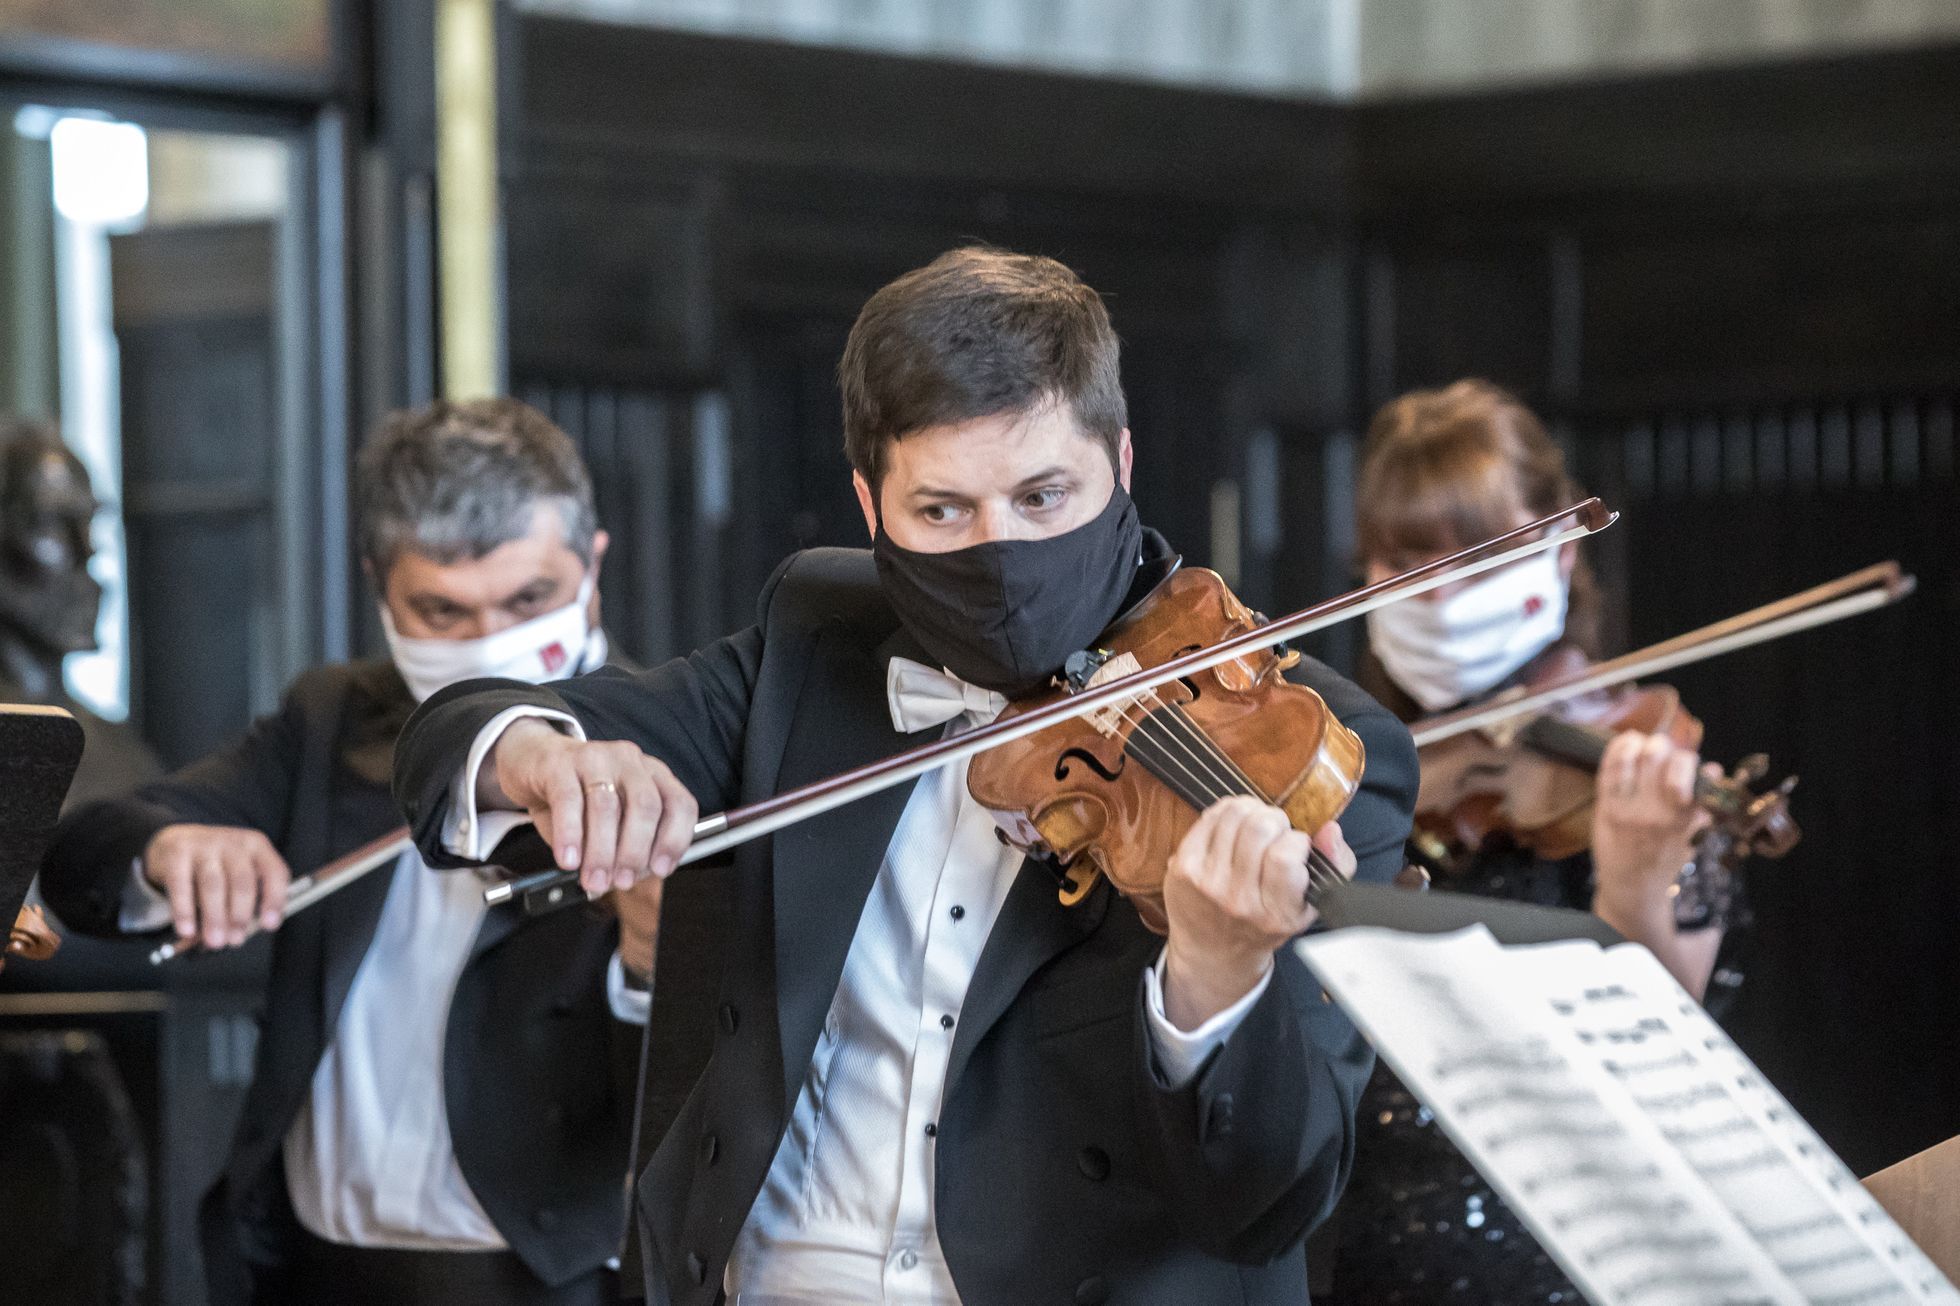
{"x": 1521, "y": 768}
{"x": 1112, "y": 792}
{"x": 30, "y": 936}
{"x": 1529, "y": 782}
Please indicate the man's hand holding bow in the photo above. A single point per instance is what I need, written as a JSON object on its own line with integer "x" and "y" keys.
{"x": 609, "y": 811}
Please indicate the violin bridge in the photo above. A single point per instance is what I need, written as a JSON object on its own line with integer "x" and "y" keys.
{"x": 1109, "y": 720}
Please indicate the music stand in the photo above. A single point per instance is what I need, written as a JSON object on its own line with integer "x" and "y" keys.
{"x": 39, "y": 750}
{"x": 1440, "y": 912}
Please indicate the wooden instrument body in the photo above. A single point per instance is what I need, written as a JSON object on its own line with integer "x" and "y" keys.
{"x": 1491, "y": 783}
{"x": 1114, "y": 792}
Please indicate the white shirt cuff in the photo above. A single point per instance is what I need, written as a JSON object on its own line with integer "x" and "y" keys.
{"x": 144, "y": 906}
{"x": 1180, "y": 1053}
{"x": 465, "y": 832}
{"x": 628, "y": 1005}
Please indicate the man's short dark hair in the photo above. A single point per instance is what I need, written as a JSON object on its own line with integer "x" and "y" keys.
{"x": 454, "y": 481}
{"x": 975, "y": 333}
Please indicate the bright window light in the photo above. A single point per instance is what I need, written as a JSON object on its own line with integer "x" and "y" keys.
{"x": 101, "y": 171}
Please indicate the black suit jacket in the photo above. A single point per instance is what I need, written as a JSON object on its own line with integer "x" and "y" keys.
{"x": 540, "y": 1137}
{"x": 1066, "y": 1170}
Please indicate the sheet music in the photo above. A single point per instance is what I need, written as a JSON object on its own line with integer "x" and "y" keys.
{"x": 1827, "y": 1235}
{"x": 1639, "y": 1144}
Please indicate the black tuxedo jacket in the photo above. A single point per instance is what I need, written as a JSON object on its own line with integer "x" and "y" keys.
{"x": 1066, "y": 1170}
{"x": 539, "y": 1125}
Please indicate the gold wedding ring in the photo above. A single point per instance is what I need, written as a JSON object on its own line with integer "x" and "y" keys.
{"x": 607, "y": 785}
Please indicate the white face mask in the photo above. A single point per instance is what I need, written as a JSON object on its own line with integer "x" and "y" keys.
{"x": 1444, "y": 652}
{"x": 549, "y": 647}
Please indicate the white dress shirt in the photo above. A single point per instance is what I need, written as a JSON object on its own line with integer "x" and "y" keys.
{"x": 369, "y": 1160}
{"x": 846, "y": 1212}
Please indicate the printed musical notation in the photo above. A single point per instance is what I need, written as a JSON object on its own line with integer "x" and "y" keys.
{"x": 1646, "y": 1152}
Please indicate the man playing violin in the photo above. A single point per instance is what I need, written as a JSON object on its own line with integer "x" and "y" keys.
{"x": 386, "y": 1152}
{"x": 932, "y": 1082}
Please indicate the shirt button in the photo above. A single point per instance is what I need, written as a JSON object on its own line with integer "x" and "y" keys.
{"x": 958, "y": 911}
{"x": 908, "y": 1259}
{"x": 1218, "y": 1120}
{"x": 1093, "y": 1162}
{"x": 932, "y": 1131}
{"x": 945, "y": 1022}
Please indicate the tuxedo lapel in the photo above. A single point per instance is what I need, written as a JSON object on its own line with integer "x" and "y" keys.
{"x": 348, "y": 921}
{"x": 1033, "y": 928}
{"x": 823, "y": 868}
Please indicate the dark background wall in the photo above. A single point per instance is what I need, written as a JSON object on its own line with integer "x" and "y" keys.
{"x": 1735, "y": 293}
{"x": 693, "y": 223}
{"x": 1739, "y": 296}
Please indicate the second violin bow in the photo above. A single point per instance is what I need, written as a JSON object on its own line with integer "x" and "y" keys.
{"x": 310, "y": 889}
{"x": 1865, "y": 590}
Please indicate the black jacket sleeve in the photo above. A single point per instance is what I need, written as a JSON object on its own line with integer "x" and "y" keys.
{"x": 249, "y": 783}
{"x": 690, "y": 713}
{"x": 1256, "y": 1148}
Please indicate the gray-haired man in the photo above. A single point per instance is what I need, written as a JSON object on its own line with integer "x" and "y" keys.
{"x": 423, "y": 1125}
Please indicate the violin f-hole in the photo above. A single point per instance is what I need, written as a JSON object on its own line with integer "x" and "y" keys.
{"x": 1091, "y": 761}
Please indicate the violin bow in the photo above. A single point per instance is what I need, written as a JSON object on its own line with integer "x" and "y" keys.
{"x": 1879, "y": 585}
{"x": 310, "y": 889}
{"x": 725, "y": 830}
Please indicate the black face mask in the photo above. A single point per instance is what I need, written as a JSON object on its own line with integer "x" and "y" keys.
{"x": 1005, "y": 615}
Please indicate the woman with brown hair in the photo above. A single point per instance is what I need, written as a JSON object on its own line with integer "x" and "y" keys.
{"x": 1441, "y": 470}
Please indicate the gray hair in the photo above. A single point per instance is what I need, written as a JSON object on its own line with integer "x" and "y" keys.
{"x": 454, "y": 481}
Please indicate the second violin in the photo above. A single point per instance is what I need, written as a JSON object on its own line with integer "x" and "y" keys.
{"x": 1520, "y": 767}
{"x": 1529, "y": 781}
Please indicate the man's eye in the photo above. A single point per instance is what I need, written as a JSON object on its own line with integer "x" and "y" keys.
{"x": 940, "y": 514}
{"x": 1045, "y": 500}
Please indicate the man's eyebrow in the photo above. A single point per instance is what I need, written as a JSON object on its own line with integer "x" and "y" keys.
{"x": 1045, "y": 476}
{"x": 939, "y": 493}
{"x": 528, "y": 589}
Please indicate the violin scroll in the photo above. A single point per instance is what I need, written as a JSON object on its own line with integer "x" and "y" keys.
{"x": 30, "y": 936}
{"x": 1757, "y": 824}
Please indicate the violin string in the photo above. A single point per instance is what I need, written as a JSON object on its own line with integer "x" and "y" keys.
{"x": 1174, "y": 713}
{"x": 1320, "y": 874}
{"x": 1224, "y": 779}
{"x": 1225, "y": 776}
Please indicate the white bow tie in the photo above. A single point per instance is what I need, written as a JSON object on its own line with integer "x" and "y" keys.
{"x": 921, "y": 697}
